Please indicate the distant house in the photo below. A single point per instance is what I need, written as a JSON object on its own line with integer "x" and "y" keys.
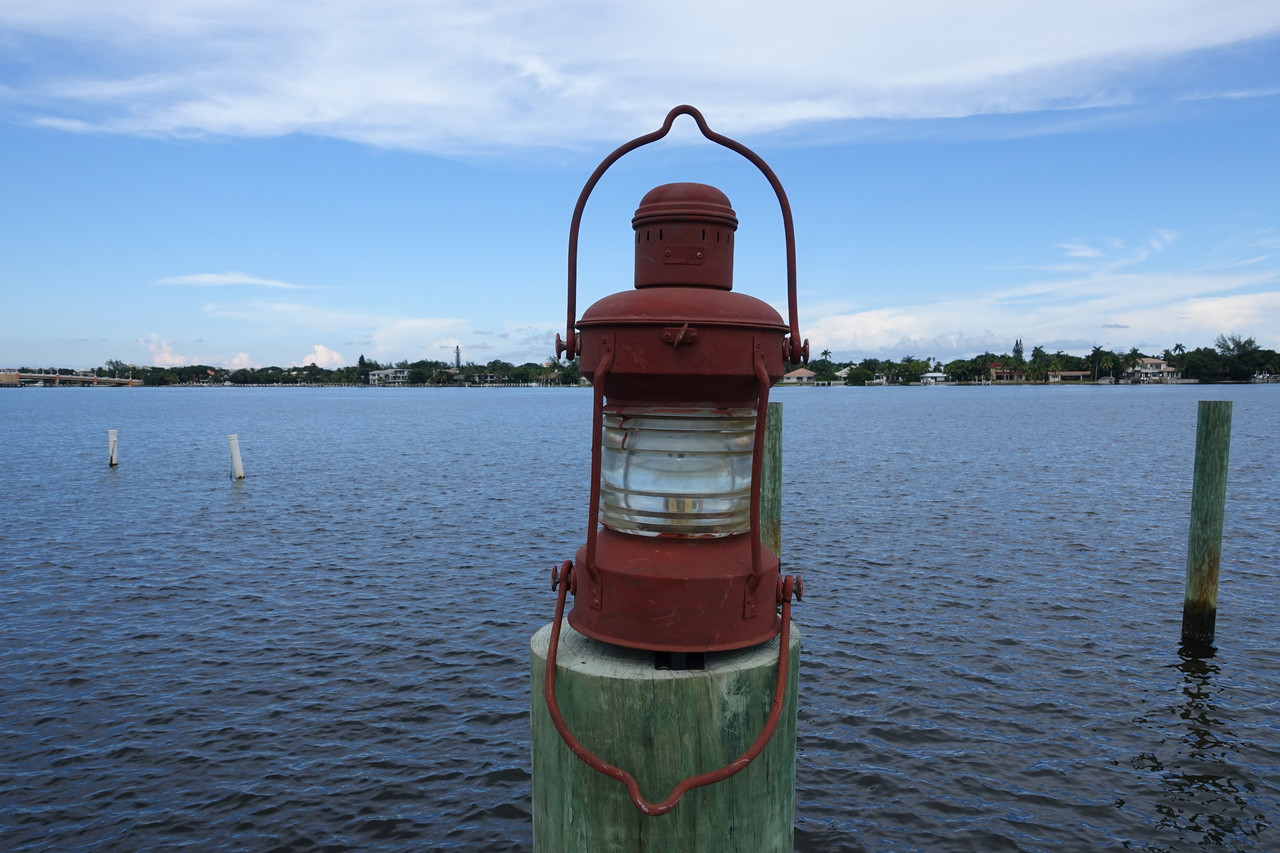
{"x": 1000, "y": 372}
{"x": 1068, "y": 376}
{"x": 1151, "y": 370}
{"x": 799, "y": 376}
{"x": 390, "y": 376}
{"x": 933, "y": 378}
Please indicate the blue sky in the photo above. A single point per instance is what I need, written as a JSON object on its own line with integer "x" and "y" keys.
{"x": 276, "y": 183}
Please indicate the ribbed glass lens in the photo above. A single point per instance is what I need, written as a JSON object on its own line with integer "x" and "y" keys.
{"x": 677, "y": 471}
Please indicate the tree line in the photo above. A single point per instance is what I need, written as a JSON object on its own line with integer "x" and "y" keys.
{"x": 424, "y": 372}
{"x": 1232, "y": 358}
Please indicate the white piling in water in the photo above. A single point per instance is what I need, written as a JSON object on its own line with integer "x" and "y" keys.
{"x": 112, "y": 459}
{"x": 237, "y": 467}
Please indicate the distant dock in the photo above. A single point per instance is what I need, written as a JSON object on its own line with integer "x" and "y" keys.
{"x": 16, "y": 378}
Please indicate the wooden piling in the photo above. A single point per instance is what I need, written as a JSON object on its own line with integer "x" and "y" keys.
{"x": 237, "y": 467}
{"x": 771, "y": 481}
{"x": 112, "y": 458}
{"x": 1208, "y": 504}
{"x": 661, "y": 726}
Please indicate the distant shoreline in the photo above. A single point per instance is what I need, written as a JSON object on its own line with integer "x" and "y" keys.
{"x": 1182, "y": 382}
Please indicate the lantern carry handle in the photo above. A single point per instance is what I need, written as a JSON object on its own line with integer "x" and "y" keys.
{"x": 794, "y": 351}
{"x": 562, "y": 580}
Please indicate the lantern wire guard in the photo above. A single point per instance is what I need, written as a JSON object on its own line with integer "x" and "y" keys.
{"x": 564, "y": 579}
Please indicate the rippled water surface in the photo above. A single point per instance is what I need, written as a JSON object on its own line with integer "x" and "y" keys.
{"x": 332, "y": 654}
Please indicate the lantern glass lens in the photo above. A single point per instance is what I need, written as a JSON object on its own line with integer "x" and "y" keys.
{"x": 677, "y": 471}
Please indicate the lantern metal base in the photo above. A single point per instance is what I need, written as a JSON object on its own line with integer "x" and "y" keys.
{"x": 667, "y": 594}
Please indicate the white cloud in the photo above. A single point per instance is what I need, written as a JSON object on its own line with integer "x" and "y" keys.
{"x": 162, "y": 354}
{"x": 241, "y": 360}
{"x": 1252, "y": 311}
{"x": 1115, "y": 310}
{"x": 322, "y": 356}
{"x": 417, "y": 338}
{"x": 224, "y": 279}
{"x": 455, "y": 75}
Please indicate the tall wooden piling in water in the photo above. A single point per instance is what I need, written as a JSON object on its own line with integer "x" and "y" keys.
{"x": 113, "y": 458}
{"x": 1208, "y": 506}
{"x": 664, "y": 726}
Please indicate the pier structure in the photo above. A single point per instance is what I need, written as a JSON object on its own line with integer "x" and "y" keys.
{"x": 15, "y": 378}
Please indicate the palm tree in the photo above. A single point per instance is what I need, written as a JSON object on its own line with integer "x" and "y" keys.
{"x": 1108, "y": 364}
{"x": 1095, "y": 357}
{"x": 1131, "y": 359}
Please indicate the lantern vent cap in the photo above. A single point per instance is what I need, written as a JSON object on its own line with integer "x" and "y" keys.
{"x": 685, "y": 202}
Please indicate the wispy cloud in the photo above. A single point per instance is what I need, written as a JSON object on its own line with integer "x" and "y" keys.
{"x": 1268, "y": 240}
{"x": 293, "y": 315}
{"x": 386, "y": 335}
{"x": 1163, "y": 237}
{"x": 1235, "y": 95}
{"x": 1106, "y": 256}
{"x": 457, "y": 75}
{"x": 226, "y": 279}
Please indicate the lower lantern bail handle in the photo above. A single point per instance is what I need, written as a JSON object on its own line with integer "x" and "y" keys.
{"x": 561, "y": 581}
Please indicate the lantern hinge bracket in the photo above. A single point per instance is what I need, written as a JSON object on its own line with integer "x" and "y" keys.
{"x": 677, "y": 336}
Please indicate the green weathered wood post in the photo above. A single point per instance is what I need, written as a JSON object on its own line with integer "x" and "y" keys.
{"x": 1208, "y": 502}
{"x": 663, "y": 726}
{"x": 771, "y": 481}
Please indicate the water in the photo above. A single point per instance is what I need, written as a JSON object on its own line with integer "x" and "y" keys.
{"x": 332, "y": 654}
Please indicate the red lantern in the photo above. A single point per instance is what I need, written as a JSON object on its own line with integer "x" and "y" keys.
{"x": 681, "y": 368}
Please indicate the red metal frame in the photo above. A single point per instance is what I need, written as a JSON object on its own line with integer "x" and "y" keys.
{"x": 797, "y": 352}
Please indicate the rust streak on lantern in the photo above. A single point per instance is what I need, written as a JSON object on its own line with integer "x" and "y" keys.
{"x": 681, "y": 368}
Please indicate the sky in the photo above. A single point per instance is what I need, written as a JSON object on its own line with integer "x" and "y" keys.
{"x": 245, "y": 183}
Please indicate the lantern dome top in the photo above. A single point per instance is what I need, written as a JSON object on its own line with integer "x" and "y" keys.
{"x": 685, "y": 202}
